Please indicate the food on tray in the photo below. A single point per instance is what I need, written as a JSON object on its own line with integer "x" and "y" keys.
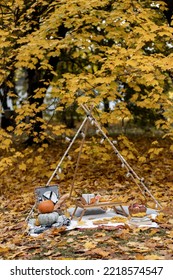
{"x": 89, "y": 199}
{"x": 137, "y": 210}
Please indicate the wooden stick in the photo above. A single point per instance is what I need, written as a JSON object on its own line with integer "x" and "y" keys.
{"x": 80, "y": 152}
{"x": 66, "y": 152}
{"x": 78, "y": 159}
{"x": 128, "y": 167}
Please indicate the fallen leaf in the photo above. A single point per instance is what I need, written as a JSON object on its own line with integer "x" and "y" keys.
{"x": 154, "y": 257}
{"x": 170, "y": 221}
{"x": 139, "y": 257}
{"x": 4, "y": 249}
{"x": 81, "y": 223}
{"x": 48, "y": 253}
{"x": 57, "y": 231}
{"x": 107, "y": 227}
{"x": 89, "y": 245}
{"x": 19, "y": 226}
{"x": 157, "y": 238}
{"x": 70, "y": 240}
{"x": 101, "y": 252}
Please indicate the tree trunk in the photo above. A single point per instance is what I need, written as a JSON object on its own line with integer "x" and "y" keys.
{"x": 169, "y": 12}
{"x": 35, "y": 82}
{"x": 7, "y": 116}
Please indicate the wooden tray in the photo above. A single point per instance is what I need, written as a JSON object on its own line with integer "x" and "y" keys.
{"x": 120, "y": 211}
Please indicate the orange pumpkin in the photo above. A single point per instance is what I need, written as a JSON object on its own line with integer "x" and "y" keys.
{"x": 46, "y": 206}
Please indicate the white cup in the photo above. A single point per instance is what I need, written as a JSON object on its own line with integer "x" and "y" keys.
{"x": 87, "y": 197}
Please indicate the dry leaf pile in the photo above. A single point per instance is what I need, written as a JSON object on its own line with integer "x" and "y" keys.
{"x": 108, "y": 180}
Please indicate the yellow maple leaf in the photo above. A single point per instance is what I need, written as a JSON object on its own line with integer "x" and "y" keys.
{"x": 142, "y": 159}
{"x": 89, "y": 245}
{"x": 7, "y": 142}
{"x": 22, "y": 166}
{"x": 81, "y": 223}
{"x": 10, "y": 128}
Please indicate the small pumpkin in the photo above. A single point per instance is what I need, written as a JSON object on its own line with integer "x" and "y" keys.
{"x": 48, "y": 219}
{"x": 46, "y": 206}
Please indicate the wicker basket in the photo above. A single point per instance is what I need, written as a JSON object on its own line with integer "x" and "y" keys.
{"x": 137, "y": 210}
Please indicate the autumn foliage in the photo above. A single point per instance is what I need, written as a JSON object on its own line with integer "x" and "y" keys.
{"x": 114, "y": 56}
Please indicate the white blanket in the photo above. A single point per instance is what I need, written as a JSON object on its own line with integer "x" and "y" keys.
{"x": 109, "y": 218}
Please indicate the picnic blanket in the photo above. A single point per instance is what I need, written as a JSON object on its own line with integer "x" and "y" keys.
{"x": 97, "y": 218}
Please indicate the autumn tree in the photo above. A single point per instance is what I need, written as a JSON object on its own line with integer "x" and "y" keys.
{"x": 115, "y": 56}
{"x": 93, "y": 52}
{"x": 111, "y": 57}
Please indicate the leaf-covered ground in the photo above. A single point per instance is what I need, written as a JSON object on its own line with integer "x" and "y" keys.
{"x": 104, "y": 176}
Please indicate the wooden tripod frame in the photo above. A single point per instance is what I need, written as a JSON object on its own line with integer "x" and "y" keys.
{"x": 138, "y": 181}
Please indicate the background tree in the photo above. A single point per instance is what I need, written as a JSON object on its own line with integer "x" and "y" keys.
{"x": 86, "y": 52}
